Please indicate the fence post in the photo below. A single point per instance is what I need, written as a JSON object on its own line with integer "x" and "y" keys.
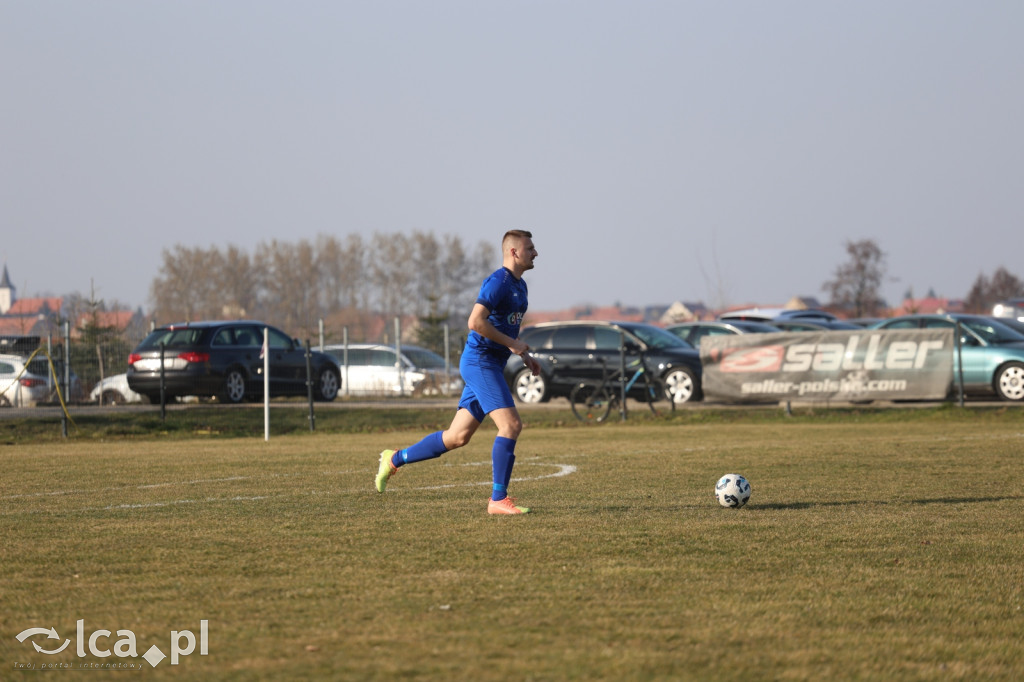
{"x": 67, "y": 378}
{"x": 265, "y": 352}
{"x": 960, "y": 361}
{"x": 447, "y": 361}
{"x": 309, "y": 387}
{"x": 163, "y": 399}
{"x": 102, "y": 372}
{"x": 344, "y": 355}
{"x": 398, "y": 356}
{"x": 622, "y": 374}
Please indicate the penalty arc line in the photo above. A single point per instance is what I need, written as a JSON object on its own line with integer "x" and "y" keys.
{"x": 562, "y": 470}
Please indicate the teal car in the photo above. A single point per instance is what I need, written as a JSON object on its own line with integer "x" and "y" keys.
{"x": 993, "y": 353}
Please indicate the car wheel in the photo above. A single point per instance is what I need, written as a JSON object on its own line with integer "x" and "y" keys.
{"x": 327, "y": 385}
{"x": 681, "y": 385}
{"x": 234, "y": 386}
{"x": 1010, "y": 381}
{"x": 115, "y": 398}
{"x": 529, "y": 388}
{"x": 4, "y": 402}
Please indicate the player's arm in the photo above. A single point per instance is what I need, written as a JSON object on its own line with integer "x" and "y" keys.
{"x": 479, "y": 322}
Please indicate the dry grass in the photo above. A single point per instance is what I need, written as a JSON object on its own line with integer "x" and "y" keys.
{"x": 871, "y": 549}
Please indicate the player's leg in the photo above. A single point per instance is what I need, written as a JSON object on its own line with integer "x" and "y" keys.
{"x": 486, "y": 393}
{"x": 503, "y": 458}
{"x": 464, "y": 425}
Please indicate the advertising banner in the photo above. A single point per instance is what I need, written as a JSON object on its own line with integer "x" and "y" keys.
{"x": 868, "y": 364}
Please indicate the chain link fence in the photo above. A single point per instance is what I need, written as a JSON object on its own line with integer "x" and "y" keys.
{"x": 88, "y": 366}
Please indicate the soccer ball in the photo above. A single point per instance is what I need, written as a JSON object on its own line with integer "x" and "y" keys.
{"x": 732, "y": 490}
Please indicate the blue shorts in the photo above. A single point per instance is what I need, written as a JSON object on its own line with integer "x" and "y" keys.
{"x": 486, "y": 390}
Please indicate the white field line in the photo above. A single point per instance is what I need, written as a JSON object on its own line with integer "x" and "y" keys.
{"x": 561, "y": 470}
{"x": 148, "y": 486}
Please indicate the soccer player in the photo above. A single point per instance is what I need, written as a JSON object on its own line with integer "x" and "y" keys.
{"x": 493, "y": 336}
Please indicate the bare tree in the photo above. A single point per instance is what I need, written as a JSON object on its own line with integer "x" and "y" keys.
{"x": 430, "y": 274}
{"x": 238, "y": 284}
{"x": 987, "y": 292}
{"x": 392, "y": 274}
{"x": 293, "y": 285}
{"x": 857, "y": 282}
{"x": 464, "y": 271}
{"x": 289, "y": 295}
{"x": 184, "y": 289}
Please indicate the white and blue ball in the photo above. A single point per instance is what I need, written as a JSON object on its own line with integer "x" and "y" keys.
{"x": 732, "y": 490}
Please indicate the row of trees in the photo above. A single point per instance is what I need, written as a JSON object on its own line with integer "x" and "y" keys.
{"x": 342, "y": 280}
{"x": 295, "y": 285}
{"x": 856, "y": 286}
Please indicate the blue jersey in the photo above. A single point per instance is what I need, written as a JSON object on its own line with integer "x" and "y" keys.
{"x": 505, "y": 296}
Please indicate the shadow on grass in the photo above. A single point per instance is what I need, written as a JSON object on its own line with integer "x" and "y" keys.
{"x": 902, "y": 503}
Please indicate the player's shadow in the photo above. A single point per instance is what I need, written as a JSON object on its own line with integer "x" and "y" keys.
{"x": 901, "y": 503}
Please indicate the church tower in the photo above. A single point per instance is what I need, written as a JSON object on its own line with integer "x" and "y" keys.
{"x": 6, "y": 292}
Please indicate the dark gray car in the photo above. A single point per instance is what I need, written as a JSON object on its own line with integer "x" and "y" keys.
{"x": 223, "y": 360}
{"x": 570, "y": 352}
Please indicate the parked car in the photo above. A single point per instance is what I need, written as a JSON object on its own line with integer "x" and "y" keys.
{"x": 1012, "y": 308}
{"x": 223, "y": 360}
{"x": 753, "y": 314}
{"x": 569, "y": 352}
{"x": 809, "y": 319}
{"x": 809, "y": 324}
{"x": 1012, "y": 322}
{"x": 993, "y": 353}
{"x": 693, "y": 332}
{"x": 373, "y": 369}
{"x": 21, "y": 384}
{"x": 865, "y": 321}
{"x": 114, "y": 390}
{"x": 73, "y": 393}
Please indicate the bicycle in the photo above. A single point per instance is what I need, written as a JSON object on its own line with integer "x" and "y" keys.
{"x": 593, "y": 402}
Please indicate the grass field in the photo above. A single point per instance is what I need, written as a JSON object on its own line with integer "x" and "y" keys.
{"x": 877, "y": 545}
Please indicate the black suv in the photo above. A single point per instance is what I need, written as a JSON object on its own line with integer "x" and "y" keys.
{"x": 570, "y": 352}
{"x": 222, "y": 360}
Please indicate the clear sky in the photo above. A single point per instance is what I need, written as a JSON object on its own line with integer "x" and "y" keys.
{"x": 714, "y": 151}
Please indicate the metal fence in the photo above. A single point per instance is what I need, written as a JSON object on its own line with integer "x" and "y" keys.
{"x": 80, "y": 361}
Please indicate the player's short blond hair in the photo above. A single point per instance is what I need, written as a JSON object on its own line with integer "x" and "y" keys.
{"x": 515, "y": 235}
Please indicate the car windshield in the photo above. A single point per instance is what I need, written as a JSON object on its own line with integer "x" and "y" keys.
{"x": 991, "y": 331}
{"x": 656, "y": 337}
{"x": 423, "y": 358}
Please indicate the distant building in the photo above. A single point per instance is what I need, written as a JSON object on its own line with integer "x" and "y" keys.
{"x": 803, "y": 303}
{"x": 6, "y": 292}
{"x": 683, "y": 312}
{"x": 928, "y": 306}
{"x": 120, "y": 321}
{"x": 26, "y": 316}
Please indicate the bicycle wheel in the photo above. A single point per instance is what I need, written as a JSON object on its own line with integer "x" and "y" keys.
{"x": 590, "y": 403}
{"x": 654, "y": 393}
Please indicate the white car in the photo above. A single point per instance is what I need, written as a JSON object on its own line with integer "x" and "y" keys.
{"x": 23, "y": 385}
{"x": 114, "y": 390}
{"x": 374, "y": 370}
{"x": 1012, "y": 308}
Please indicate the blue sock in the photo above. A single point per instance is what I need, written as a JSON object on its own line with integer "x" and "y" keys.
{"x": 502, "y": 458}
{"x": 508, "y": 470}
{"x": 430, "y": 447}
